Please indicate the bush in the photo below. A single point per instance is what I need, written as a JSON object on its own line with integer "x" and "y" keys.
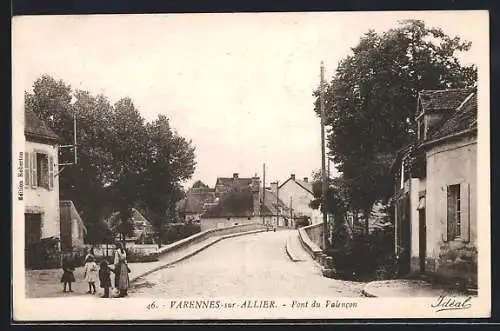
{"x": 44, "y": 254}
{"x": 365, "y": 256}
{"x": 176, "y": 232}
{"x": 150, "y": 257}
{"x": 301, "y": 222}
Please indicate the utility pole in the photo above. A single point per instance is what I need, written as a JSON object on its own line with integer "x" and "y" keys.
{"x": 324, "y": 187}
{"x": 328, "y": 171}
{"x": 277, "y": 204}
{"x": 263, "y": 193}
{"x": 291, "y": 211}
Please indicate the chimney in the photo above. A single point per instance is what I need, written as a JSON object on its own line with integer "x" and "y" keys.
{"x": 274, "y": 187}
{"x": 235, "y": 175}
{"x": 292, "y": 176}
{"x": 306, "y": 179}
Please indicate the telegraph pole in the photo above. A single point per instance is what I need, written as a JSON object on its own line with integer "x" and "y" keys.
{"x": 324, "y": 183}
{"x": 263, "y": 192}
{"x": 277, "y": 204}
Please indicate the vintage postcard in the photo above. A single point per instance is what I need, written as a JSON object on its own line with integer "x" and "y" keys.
{"x": 316, "y": 165}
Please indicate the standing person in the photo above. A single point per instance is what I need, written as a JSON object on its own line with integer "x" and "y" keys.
{"x": 68, "y": 277}
{"x": 90, "y": 252}
{"x": 105, "y": 277}
{"x": 121, "y": 271}
{"x": 91, "y": 274}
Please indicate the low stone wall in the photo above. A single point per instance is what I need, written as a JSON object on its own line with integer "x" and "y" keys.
{"x": 310, "y": 238}
{"x": 204, "y": 235}
{"x": 150, "y": 253}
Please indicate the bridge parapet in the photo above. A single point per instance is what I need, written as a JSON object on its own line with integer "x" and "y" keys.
{"x": 204, "y": 235}
{"x": 311, "y": 239}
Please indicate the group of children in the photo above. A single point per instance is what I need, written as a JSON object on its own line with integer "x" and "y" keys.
{"x": 92, "y": 274}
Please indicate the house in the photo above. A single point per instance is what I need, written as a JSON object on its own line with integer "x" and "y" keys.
{"x": 142, "y": 228}
{"x": 297, "y": 194}
{"x": 199, "y": 199}
{"x": 73, "y": 229}
{"x": 239, "y": 202}
{"x": 41, "y": 185}
{"x": 435, "y": 204}
{"x": 275, "y": 209}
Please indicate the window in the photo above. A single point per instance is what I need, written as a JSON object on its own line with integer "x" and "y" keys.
{"x": 454, "y": 212}
{"x": 39, "y": 170}
{"x": 421, "y": 129}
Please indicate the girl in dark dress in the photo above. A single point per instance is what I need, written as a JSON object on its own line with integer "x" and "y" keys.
{"x": 105, "y": 277}
{"x": 68, "y": 277}
{"x": 121, "y": 271}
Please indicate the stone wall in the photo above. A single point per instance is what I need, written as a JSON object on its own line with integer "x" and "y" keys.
{"x": 311, "y": 239}
{"x": 224, "y": 222}
{"x": 204, "y": 235}
{"x": 315, "y": 233}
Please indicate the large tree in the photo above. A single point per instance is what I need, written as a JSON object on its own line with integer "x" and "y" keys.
{"x": 52, "y": 101}
{"x": 122, "y": 161}
{"x": 170, "y": 160}
{"x": 371, "y": 101}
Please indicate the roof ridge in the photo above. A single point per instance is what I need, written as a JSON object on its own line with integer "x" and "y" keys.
{"x": 465, "y": 100}
{"x": 448, "y": 89}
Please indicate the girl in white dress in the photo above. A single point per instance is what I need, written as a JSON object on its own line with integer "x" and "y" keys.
{"x": 91, "y": 274}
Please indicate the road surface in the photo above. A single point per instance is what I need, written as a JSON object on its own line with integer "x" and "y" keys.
{"x": 247, "y": 266}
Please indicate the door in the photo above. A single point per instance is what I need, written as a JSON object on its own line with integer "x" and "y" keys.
{"x": 405, "y": 235}
{"x": 422, "y": 234}
{"x": 32, "y": 236}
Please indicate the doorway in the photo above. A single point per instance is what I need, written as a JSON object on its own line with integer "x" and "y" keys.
{"x": 32, "y": 236}
{"x": 422, "y": 239}
{"x": 404, "y": 235}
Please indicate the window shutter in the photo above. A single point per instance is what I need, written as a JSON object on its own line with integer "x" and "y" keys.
{"x": 51, "y": 172}
{"x": 450, "y": 213}
{"x": 465, "y": 211}
{"x": 34, "y": 178}
{"x": 27, "y": 169}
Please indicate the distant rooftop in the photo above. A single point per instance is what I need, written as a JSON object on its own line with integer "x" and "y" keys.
{"x": 441, "y": 100}
{"x": 34, "y": 127}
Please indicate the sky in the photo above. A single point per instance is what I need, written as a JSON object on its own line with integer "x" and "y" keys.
{"x": 239, "y": 86}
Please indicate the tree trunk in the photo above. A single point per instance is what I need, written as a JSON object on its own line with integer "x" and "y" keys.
{"x": 367, "y": 222}
{"x": 160, "y": 237}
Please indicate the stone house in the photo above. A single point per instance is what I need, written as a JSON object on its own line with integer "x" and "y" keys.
{"x": 297, "y": 194}
{"x": 239, "y": 202}
{"x": 142, "y": 228}
{"x": 436, "y": 178}
{"x": 198, "y": 200}
{"x": 41, "y": 185}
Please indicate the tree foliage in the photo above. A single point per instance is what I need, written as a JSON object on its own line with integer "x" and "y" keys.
{"x": 370, "y": 102}
{"x": 122, "y": 160}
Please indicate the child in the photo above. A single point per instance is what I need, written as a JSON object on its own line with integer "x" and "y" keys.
{"x": 91, "y": 273}
{"x": 68, "y": 277}
{"x": 105, "y": 277}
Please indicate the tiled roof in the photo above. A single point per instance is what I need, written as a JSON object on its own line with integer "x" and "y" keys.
{"x": 35, "y": 127}
{"x": 235, "y": 203}
{"x": 463, "y": 118}
{"x": 440, "y": 100}
{"x": 308, "y": 186}
{"x": 139, "y": 221}
{"x": 230, "y": 181}
{"x": 193, "y": 204}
